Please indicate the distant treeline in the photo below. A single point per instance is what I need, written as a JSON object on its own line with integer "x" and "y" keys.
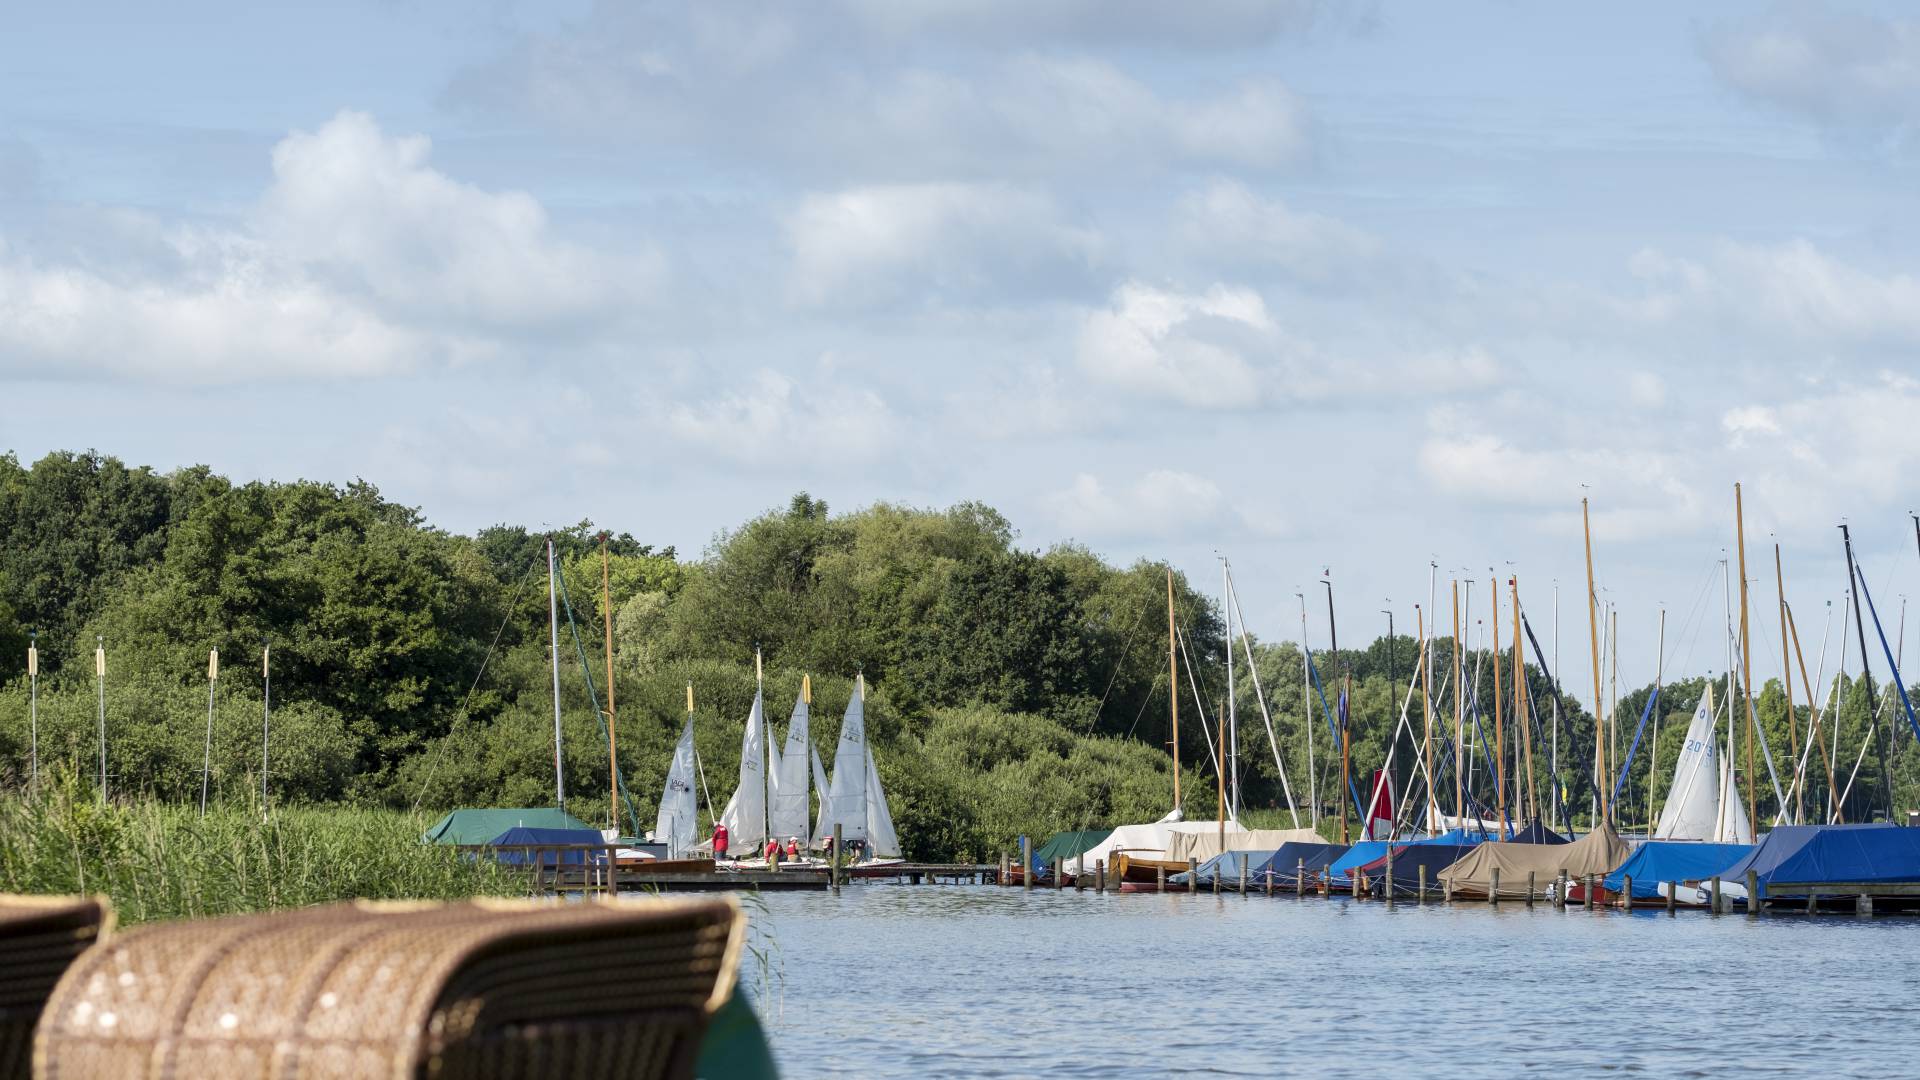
{"x": 1010, "y": 690}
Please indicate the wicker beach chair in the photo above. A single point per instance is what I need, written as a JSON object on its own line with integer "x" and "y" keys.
{"x": 480, "y": 989}
{"x": 40, "y": 937}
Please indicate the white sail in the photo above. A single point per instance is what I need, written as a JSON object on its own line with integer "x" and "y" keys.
{"x": 1734, "y": 828}
{"x": 679, "y": 810}
{"x": 882, "y": 843}
{"x": 746, "y": 814}
{"x": 789, "y": 816}
{"x": 821, "y": 828}
{"x": 1692, "y": 810}
{"x": 846, "y": 804}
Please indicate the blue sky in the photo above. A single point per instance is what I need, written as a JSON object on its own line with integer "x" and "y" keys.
{"x": 1355, "y": 286}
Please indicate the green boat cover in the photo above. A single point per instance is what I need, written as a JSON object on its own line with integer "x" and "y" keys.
{"x": 481, "y": 826}
{"x": 1066, "y": 845}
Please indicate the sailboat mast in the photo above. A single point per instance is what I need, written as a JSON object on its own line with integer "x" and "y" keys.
{"x": 1659, "y": 682}
{"x": 1459, "y": 719}
{"x": 1866, "y": 664}
{"x": 1306, "y": 715}
{"x": 1746, "y": 651}
{"x": 613, "y": 737}
{"x": 1593, "y": 644}
{"x": 1173, "y": 691}
{"x": 766, "y": 751}
{"x": 1786, "y": 677}
{"x": 1520, "y": 700}
{"x": 553, "y": 645}
{"x": 1346, "y": 775}
{"x": 1233, "y": 713}
{"x": 1220, "y": 797}
{"x": 1553, "y": 764}
{"x": 1499, "y": 717}
{"x": 1426, "y": 712}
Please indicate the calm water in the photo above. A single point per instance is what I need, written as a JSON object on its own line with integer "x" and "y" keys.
{"x": 888, "y": 980}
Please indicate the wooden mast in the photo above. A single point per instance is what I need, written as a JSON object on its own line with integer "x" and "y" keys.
{"x": 1593, "y": 647}
{"x": 1499, "y": 719}
{"x": 1459, "y": 731}
{"x": 1173, "y": 689}
{"x": 1786, "y": 675}
{"x": 1346, "y": 706}
{"x": 613, "y": 738}
{"x": 1659, "y": 683}
{"x": 1521, "y": 700}
{"x": 1813, "y": 709}
{"x": 1746, "y": 653}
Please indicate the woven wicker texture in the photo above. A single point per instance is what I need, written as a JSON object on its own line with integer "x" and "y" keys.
{"x": 583, "y": 989}
{"x": 40, "y": 937}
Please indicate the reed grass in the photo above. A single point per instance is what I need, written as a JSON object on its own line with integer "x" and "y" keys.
{"x": 165, "y": 861}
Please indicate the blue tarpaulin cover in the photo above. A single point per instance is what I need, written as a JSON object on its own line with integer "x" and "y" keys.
{"x": 1673, "y": 860}
{"x": 1815, "y": 853}
{"x": 1410, "y": 857}
{"x": 1285, "y": 862}
{"x": 1225, "y": 866}
{"x": 522, "y": 835}
{"x": 1367, "y": 851}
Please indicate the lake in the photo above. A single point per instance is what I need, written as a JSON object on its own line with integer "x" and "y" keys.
{"x": 979, "y": 981}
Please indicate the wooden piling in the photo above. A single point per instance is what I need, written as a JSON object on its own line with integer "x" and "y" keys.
{"x": 1586, "y": 894}
{"x": 1100, "y": 876}
{"x": 1446, "y": 890}
{"x": 1560, "y": 890}
{"x": 1059, "y": 875}
{"x": 1423, "y": 883}
{"x": 1026, "y": 863}
{"x": 1754, "y": 903}
{"x": 1529, "y": 888}
{"x": 1863, "y": 905}
{"x": 1672, "y": 887}
{"x": 1243, "y": 873}
{"x": 1626, "y": 892}
{"x": 1714, "y": 896}
{"x": 1193, "y": 876}
{"x": 1300, "y": 878}
{"x": 1493, "y": 892}
{"x": 1080, "y": 879}
{"x": 834, "y": 873}
{"x": 1159, "y": 879}
{"x": 1387, "y": 882}
{"x": 1354, "y": 879}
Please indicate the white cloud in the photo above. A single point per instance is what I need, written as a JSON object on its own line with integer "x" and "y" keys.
{"x": 1227, "y": 222}
{"x": 1158, "y": 504}
{"x": 1184, "y": 347}
{"x": 360, "y": 259}
{"x": 951, "y": 242}
{"x": 1838, "y": 68}
{"x": 1228, "y": 25}
{"x": 1794, "y": 287}
{"x": 775, "y": 420}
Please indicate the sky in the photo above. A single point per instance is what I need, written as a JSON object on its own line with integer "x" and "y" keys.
{"x": 1379, "y": 291}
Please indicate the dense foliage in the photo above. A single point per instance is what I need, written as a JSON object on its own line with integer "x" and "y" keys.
{"x": 1010, "y": 690}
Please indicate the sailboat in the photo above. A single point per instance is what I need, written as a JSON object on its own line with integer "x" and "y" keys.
{"x": 1701, "y": 802}
{"x": 745, "y": 817}
{"x": 787, "y": 816}
{"x": 853, "y": 799}
{"x": 678, "y": 819}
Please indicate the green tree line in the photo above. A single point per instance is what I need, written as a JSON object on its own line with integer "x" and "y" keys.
{"x": 1010, "y": 690}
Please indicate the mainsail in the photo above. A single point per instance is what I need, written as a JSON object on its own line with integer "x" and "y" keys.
{"x": 678, "y": 808}
{"x": 1692, "y": 810}
{"x": 846, "y": 802}
{"x": 881, "y": 841}
{"x": 789, "y": 811}
{"x": 1734, "y": 828}
{"x": 746, "y": 814}
{"x": 820, "y": 789}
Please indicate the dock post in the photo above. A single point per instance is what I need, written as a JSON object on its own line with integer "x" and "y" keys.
{"x": 1300, "y": 878}
{"x": 1059, "y": 882}
{"x": 834, "y": 873}
{"x": 1626, "y": 892}
{"x": 1003, "y": 879}
{"x": 1080, "y": 879}
{"x": 1672, "y": 887}
{"x": 1423, "y": 883}
{"x": 1587, "y": 893}
{"x": 1813, "y": 905}
{"x": 1026, "y": 863}
{"x": 1355, "y": 878}
{"x": 1560, "y": 890}
{"x": 1754, "y": 903}
{"x": 1243, "y": 873}
{"x": 1713, "y": 895}
{"x": 1100, "y": 875}
{"x": 1863, "y": 905}
{"x": 1387, "y": 882}
{"x": 1159, "y": 878}
{"x": 1529, "y": 888}
{"x": 1446, "y": 890}
{"x": 1493, "y": 890}
{"x": 1193, "y": 876}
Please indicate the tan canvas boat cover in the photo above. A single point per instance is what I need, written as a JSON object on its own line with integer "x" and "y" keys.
{"x": 1205, "y": 845}
{"x": 1595, "y": 853}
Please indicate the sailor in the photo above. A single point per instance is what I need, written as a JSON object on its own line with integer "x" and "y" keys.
{"x": 773, "y": 848}
{"x": 793, "y": 847}
{"x": 719, "y": 840}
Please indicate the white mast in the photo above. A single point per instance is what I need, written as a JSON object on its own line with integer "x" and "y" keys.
{"x": 1306, "y": 717}
{"x": 553, "y": 643}
{"x": 1233, "y": 717}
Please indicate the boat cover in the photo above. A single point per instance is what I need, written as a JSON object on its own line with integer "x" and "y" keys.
{"x": 1206, "y": 845}
{"x": 1285, "y": 863}
{"x": 1821, "y": 853}
{"x": 1367, "y": 851}
{"x": 1065, "y": 845}
{"x": 1537, "y": 833}
{"x": 1147, "y": 841}
{"x": 520, "y": 834}
{"x": 1672, "y": 860}
{"x": 1226, "y": 866}
{"x": 481, "y": 826}
{"x": 1409, "y": 858}
{"x": 1595, "y": 853}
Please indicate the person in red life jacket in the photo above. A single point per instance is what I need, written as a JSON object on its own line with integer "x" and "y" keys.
{"x": 793, "y": 847}
{"x": 719, "y": 841}
{"x": 773, "y": 848}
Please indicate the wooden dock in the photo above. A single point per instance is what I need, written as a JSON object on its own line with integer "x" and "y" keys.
{"x": 584, "y": 868}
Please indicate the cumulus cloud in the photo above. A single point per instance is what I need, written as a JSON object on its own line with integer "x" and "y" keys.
{"x": 1228, "y": 223}
{"x": 1158, "y": 504}
{"x": 941, "y": 242}
{"x": 1837, "y": 68}
{"x": 1795, "y": 287}
{"x": 1231, "y": 25}
{"x": 359, "y": 259}
{"x": 830, "y": 94}
{"x": 1192, "y": 348}
{"x": 772, "y": 419}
